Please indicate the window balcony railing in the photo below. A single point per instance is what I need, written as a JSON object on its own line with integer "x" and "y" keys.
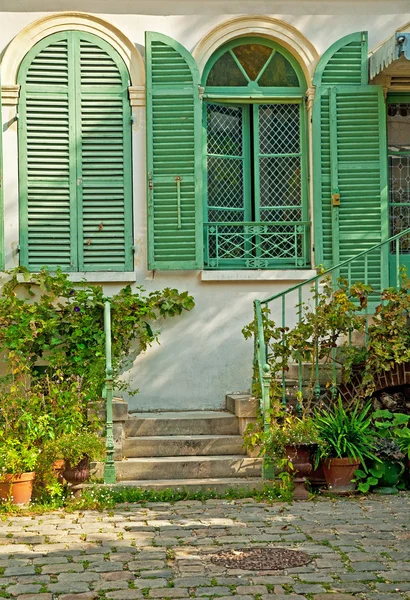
{"x": 257, "y": 245}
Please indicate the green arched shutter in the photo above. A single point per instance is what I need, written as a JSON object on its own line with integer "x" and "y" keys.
{"x": 349, "y": 154}
{"x": 173, "y": 156}
{"x": 75, "y": 156}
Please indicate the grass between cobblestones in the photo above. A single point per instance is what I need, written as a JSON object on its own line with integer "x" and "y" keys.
{"x": 99, "y": 497}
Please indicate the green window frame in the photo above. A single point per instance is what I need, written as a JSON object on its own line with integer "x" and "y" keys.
{"x": 249, "y": 223}
{"x": 75, "y": 178}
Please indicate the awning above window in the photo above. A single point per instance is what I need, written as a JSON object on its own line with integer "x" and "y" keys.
{"x": 394, "y": 49}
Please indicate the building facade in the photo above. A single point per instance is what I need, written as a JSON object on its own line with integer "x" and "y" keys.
{"x": 224, "y": 148}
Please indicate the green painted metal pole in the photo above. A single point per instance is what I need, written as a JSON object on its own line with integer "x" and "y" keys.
{"x": 284, "y": 345}
{"x": 109, "y": 468}
{"x": 317, "y": 382}
{"x": 300, "y": 365}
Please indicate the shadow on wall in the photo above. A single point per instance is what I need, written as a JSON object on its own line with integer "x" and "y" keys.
{"x": 202, "y": 354}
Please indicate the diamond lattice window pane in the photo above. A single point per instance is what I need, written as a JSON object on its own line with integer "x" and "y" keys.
{"x": 225, "y": 182}
{"x": 279, "y": 129}
{"x": 280, "y": 181}
{"x": 399, "y": 179}
{"x": 224, "y": 130}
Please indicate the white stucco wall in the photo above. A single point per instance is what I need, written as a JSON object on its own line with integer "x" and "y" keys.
{"x": 202, "y": 354}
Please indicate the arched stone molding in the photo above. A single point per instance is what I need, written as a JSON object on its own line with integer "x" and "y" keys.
{"x": 36, "y": 31}
{"x": 275, "y": 29}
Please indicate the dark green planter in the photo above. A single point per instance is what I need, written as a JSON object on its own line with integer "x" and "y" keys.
{"x": 391, "y": 472}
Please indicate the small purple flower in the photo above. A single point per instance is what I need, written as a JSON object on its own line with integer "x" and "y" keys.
{"x": 76, "y": 309}
{"x": 71, "y": 293}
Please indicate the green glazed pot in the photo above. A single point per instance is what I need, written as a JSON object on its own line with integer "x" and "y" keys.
{"x": 391, "y": 472}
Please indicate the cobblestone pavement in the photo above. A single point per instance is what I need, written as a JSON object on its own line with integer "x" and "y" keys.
{"x": 360, "y": 549}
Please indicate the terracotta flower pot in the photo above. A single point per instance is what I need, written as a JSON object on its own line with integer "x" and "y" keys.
{"x": 300, "y": 457}
{"x": 17, "y": 488}
{"x": 339, "y": 473}
{"x": 79, "y": 473}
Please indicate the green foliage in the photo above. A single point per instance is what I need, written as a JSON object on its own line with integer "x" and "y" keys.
{"x": 394, "y": 434}
{"x": 46, "y": 318}
{"x": 74, "y": 447}
{"x": 346, "y": 433}
{"x": 322, "y": 321}
{"x": 403, "y": 440}
{"x": 366, "y": 480}
{"x": 388, "y": 450}
{"x": 17, "y": 457}
{"x": 53, "y": 344}
{"x": 326, "y": 325}
{"x": 289, "y": 430}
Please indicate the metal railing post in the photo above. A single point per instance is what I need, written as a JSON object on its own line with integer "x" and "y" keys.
{"x": 109, "y": 468}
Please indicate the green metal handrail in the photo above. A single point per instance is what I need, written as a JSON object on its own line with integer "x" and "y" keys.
{"x": 109, "y": 467}
{"x": 262, "y": 371}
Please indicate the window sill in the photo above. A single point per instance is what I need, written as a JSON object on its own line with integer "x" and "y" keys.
{"x": 99, "y": 277}
{"x": 268, "y": 275}
{"x": 104, "y": 276}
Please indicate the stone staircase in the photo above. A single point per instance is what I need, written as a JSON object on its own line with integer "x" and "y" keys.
{"x": 192, "y": 449}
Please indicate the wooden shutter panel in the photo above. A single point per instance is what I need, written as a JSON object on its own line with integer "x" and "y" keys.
{"x": 173, "y": 156}
{"x": 349, "y": 159}
{"x": 75, "y": 156}
{"x": 45, "y": 138}
{"x": 104, "y": 161}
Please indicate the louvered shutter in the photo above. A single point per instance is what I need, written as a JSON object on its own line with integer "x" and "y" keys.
{"x": 104, "y": 164}
{"x": 174, "y": 161}
{"x": 75, "y": 156}
{"x": 47, "y": 192}
{"x": 349, "y": 159}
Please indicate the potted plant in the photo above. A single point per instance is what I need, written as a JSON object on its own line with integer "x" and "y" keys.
{"x": 347, "y": 441}
{"x": 292, "y": 438}
{"x": 17, "y": 463}
{"x": 78, "y": 449}
{"x": 389, "y": 467}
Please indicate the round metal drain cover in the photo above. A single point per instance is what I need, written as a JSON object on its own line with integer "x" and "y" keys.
{"x": 261, "y": 559}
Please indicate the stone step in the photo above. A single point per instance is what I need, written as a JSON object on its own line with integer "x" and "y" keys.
{"x": 188, "y": 467}
{"x": 181, "y": 423}
{"x": 309, "y": 373}
{"x": 193, "y": 485}
{"x": 182, "y": 445}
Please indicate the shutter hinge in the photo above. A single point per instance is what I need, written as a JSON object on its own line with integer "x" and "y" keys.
{"x": 201, "y": 92}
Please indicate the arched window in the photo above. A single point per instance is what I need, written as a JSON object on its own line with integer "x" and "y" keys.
{"x": 256, "y": 206}
{"x": 75, "y": 156}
